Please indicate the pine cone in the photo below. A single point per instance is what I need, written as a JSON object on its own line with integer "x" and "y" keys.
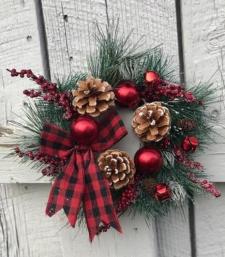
{"x": 117, "y": 167}
{"x": 93, "y": 96}
{"x": 151, "y": 122}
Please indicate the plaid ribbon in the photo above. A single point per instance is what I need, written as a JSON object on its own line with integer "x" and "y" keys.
{"x": 80, "y": 180}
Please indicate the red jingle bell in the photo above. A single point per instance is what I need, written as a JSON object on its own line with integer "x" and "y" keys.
{"x": 127, "y": 94}
{"x": 84, "y": 130}
{"x": 148, "y": 161}
{"x": 151, "y": 76}
{"x": 162, "y": 192}
{"x": 190, "y": 143}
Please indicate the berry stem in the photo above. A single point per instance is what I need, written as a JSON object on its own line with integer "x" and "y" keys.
{"x": 48, "y": 91}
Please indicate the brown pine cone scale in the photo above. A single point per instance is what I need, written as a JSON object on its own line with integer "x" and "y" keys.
{"x": 117, "y": 167}
{"x": 93, "y": 96}
{"x": 151, "y": 122}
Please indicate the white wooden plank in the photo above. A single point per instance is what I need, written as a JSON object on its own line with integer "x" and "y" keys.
{"x": 153, "y": 21}
{"x": 19, "y": 48}
{"x": 69, "y": 27}
{"x": 137, "y": 240}
{"x": 203, "y": 32}
{"x": 27, "y": 232}
{"x": 173, "y": 235}
{"x": 210, "y": 229}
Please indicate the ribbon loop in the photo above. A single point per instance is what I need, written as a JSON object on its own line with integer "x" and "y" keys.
{"x": 80, "y": 180}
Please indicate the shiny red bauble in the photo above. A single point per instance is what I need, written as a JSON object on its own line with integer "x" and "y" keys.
{"x": 162, "y": 192}
{"x": 190, "y": 143}
{"x": 148, "y": 161}
{"x": 151, "y": 76}
{"x": 127, "y": 94}
{"x": 84, "y": 130}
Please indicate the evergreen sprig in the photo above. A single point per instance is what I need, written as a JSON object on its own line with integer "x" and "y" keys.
{"x": 117, "y": 58}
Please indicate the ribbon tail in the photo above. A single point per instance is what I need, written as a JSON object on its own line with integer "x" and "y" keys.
{"x": 67, "y": 190}
{"x": 98, "y": 204}
{"x": 112, "y": 222}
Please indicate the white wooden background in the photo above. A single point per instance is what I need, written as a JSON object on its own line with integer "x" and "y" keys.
{"x": 53, "y": 38}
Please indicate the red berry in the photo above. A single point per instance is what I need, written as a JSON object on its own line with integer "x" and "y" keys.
{"x": 14, "y": 73}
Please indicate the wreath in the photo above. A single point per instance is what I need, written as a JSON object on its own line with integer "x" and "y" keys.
{"x": 71, "y": 127}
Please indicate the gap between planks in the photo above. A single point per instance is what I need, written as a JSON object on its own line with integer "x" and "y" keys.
{"x": 191, "y": 208}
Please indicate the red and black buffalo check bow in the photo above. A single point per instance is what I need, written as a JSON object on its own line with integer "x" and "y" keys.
{"x": 81, "y": 180}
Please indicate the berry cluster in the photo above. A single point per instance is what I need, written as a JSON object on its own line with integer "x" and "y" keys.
{"x": 55, "y": 164}
{"x": 157, "y": 89}
{"x": 127, "y": 198}
{"x": 48, "y": 91}
{"x": 206, "y": 185}
{"x": 182, "y": 158}
{"x": 51, "y": 171}
{"x": 165, "y": 143}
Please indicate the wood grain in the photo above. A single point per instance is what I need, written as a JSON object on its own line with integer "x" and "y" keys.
{"x": 153, "y": 23}
{"x": 173, "y": 235}
{"x": 69, "y": 28}
{"x": 210, "y": 229}
{"x": 27, "y": 232}
{"x": 204, "y": 45}
{"x": 19, "y": 48}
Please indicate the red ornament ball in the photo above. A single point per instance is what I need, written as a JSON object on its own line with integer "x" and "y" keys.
{"x": 151, "y": 76}
{"x": 190, "y": 143}
{"x": 148, "y": 161}
{"x": 127, "y": 94}
{"x": 84, "y": 130}
{"x": 162, "y": 192}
